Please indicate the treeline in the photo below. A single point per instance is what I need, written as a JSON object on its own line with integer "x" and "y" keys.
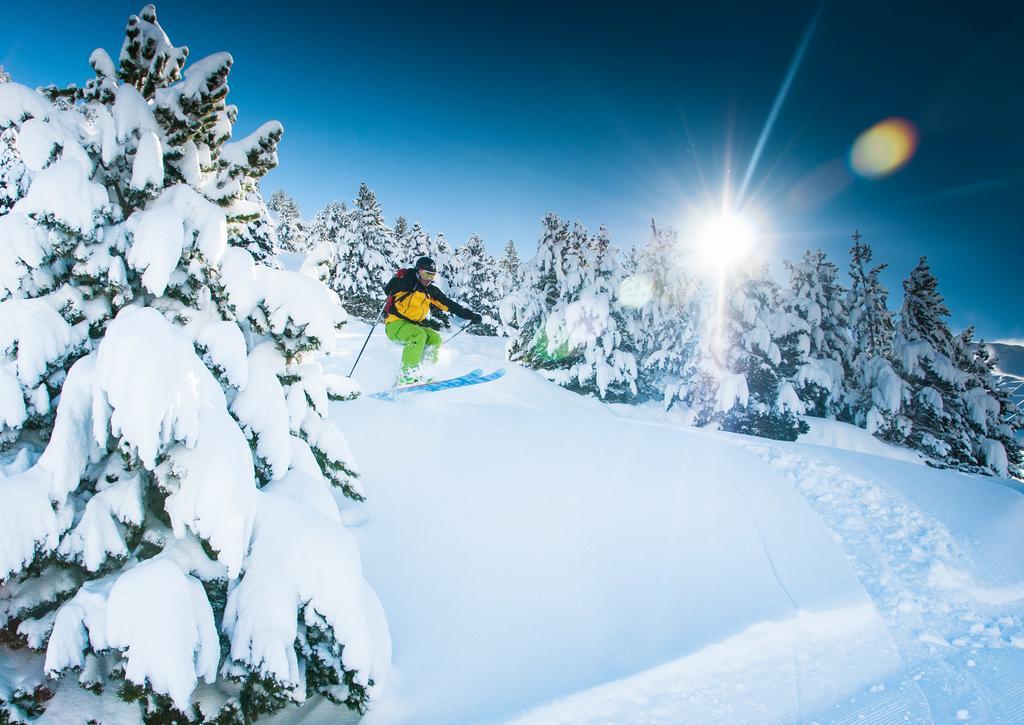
{"x": 354, "y": 251}
{"x": 739, "y": 352}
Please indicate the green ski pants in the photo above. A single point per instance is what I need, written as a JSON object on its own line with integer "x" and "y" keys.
{"x": 415, "y": 338}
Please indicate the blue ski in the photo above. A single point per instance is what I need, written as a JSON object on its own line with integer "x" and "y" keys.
{"x": 471, "y": 378}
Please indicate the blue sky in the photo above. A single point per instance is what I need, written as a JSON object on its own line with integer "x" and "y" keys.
{"x": 484, "y": 116}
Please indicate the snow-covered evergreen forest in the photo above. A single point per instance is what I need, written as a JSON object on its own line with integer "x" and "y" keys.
{"x": 745, "y": 354}
{"x": 174, "y": 494}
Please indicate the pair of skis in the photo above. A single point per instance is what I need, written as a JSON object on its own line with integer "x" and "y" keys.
{"x": 471, "y": 378}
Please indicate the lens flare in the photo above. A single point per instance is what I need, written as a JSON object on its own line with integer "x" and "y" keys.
{"x": 636, "y": 291}
{"x": 884, "y": 148}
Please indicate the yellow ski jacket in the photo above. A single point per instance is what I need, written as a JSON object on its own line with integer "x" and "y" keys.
{"x": 409, "y": 300}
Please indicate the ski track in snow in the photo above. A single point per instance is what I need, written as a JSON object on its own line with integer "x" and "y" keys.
{"x": 948, "y": 631}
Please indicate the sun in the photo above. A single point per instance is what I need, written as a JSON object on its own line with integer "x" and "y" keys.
{"x": 725, "y": 240}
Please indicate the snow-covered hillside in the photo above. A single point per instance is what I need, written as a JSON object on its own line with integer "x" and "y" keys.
{"x": 1009, "y": 358}
{"x": 547, "y": 557}
{"x": 1010, "y": 368}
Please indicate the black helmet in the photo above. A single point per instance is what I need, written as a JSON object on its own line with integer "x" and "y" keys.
{"x": 426, "y": 263}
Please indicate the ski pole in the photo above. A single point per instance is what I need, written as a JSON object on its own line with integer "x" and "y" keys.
{"x": 456, "y": 334}
{"x": 367, "y": 340}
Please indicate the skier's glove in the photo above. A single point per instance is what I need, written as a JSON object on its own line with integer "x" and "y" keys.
{"x": 474, "y": 318}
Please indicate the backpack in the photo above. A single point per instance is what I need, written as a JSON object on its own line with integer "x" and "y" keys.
{"x": 389, "y": 303}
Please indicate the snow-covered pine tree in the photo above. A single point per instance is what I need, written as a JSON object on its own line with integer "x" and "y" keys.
{"x": 631, "y": 260}
{"x": 444, "y": 257}
{"x": 13, "y": 175}
{"x": 401, "y": 239}
{"x": 1009, "y": 424}
{"x": 923, "y": 348}
{"x": 871, "y": 322}
{"x": 570, "y": 324}
{"x": 251, "y": 227}
{"x": 528, "y": 308}
{"x": 666, "y": 297}
{"x": 987, "y": 410}
{"x": 363, "y": 265}
{"x": 167, "y": 461}
{"x": 826, "y": 342}
{"x": 739, "y": 374}
{"x": 290, "y": 229}
{"x": 329, "y": 231}
{"x": 878, "y": 389}
{"x": 416, "y": 245}
{"x": 475, "y": 284}
{"x": 510, "y": 272}
{"x": 509, "y": 279}
{"x": 243, "y": 163}
{"x": 13, "y": 179}
{"x": 579, "y": 240}
{"x": 599, "y": 328}
{"x": 954, "y": 413}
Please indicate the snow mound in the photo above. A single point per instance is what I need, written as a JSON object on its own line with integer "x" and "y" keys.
{"x": 848, "y": 437}
{"x": 746, "y": 678}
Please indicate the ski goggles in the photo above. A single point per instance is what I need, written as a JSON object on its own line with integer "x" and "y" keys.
{"x": 426, "y": 274}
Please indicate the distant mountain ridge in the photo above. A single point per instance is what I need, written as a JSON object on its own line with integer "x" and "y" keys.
{"x": 1009, "y": 357}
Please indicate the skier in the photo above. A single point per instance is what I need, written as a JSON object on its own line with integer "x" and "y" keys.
{"x": 411, "y": 295}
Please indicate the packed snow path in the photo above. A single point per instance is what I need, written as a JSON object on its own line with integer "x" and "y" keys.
{"x": 961, "y": 642}
{"x": 534, "y": 546}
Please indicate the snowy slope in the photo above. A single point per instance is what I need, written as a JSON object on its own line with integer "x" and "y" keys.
{"x": 1010, "y": 366}
{"x": 1009, "y": 358}
{"x": 544, "y": 556}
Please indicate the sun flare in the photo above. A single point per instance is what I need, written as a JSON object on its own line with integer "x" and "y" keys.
{"x": 725, "y": 240}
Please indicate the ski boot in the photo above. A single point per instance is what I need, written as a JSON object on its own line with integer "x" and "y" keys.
{"x": 410, "y": 377}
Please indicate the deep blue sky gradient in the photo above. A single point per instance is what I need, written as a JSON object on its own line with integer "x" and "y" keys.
{"x": 484, "y": 116}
